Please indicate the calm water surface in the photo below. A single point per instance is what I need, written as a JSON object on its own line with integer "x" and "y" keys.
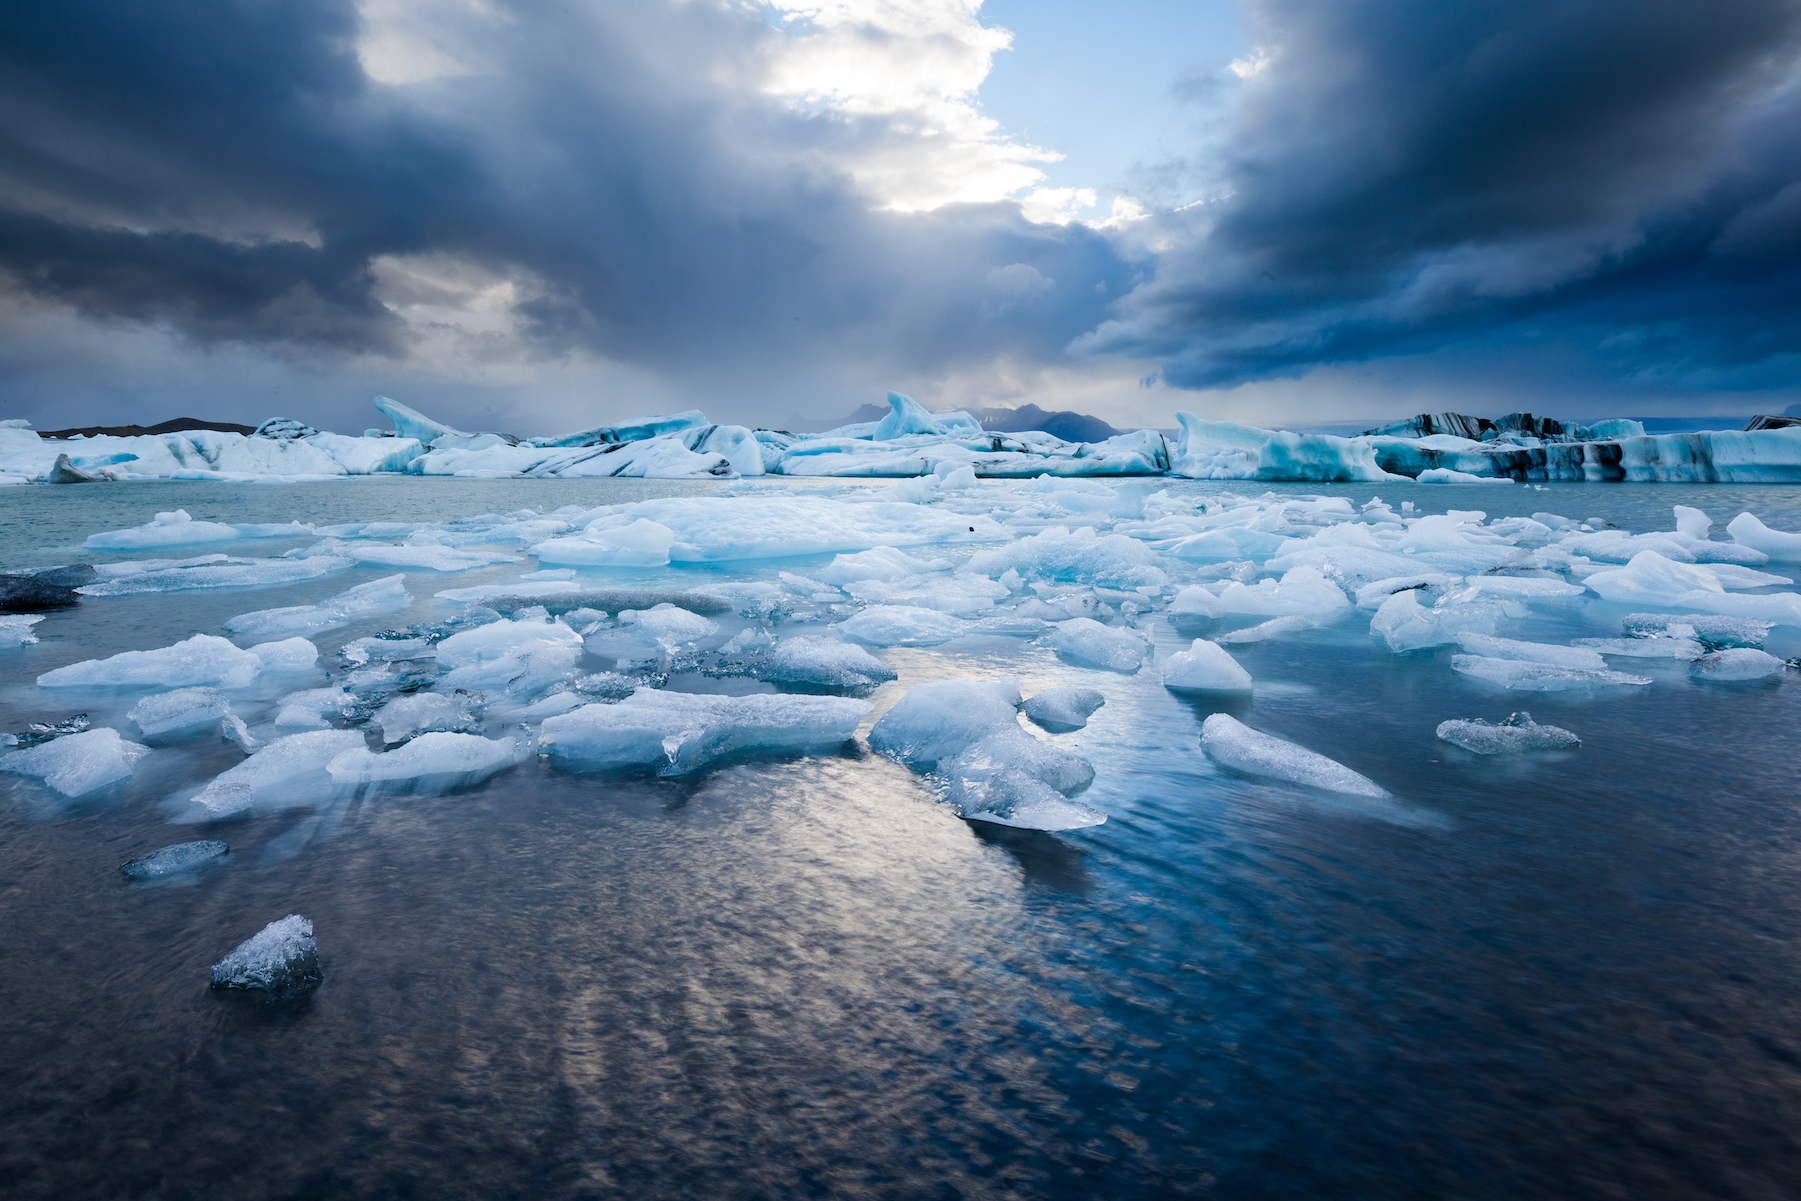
{"x": 1569, "y": 975}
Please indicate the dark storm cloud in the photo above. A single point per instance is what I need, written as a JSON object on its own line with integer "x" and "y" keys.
{"x": 1406, "y": 175}
{"x": 225, "y": 167}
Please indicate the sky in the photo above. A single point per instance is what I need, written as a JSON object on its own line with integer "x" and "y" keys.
{"x": 541, "y": 215}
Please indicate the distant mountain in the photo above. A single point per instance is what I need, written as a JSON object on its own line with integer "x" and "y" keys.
{"x": 173, "y": 426}
{"x": 1070, "y": 426}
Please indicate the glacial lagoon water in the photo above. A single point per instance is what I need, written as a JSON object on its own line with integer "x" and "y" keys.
{"x": 1567, "y": 974}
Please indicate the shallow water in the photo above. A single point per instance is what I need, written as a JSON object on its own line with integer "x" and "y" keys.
{"x": 1569, "y": 974}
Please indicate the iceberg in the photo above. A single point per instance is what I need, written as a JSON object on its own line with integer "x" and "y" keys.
{"x": 1205, "y": 667}
{"x": 679, "y": 733}
{"x": 175, "y": 860}
{"x": 78, "y": 764}
{"x": 431, "y": 762}
{"x": 937, "y": 721}
{"x": 1063, "y": 709}
{"x": 1520, "y": 675}
{"x": 179, "y": 712}
{"x": 381, "y": 596}
{"x": 1012, "y": 779}
{"x": 1737, "y": 664}
{"x": 1231, "y": 743}
{"x": 1403, "y": 624}
{"x": 1518, "y": 733}
{"x": 281, "y": 959}
{"x": 1088, "y": 641}
{"x": 824, "y": 663}
{"x": 202, "y": 659}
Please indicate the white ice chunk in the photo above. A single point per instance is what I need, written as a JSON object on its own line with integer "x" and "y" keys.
{"x": 15, "y": 629}
{"x": 282, "y": 959}
{"x": 202, "y": 659}
{"x": 1518, "y": 733}
{"x": 1064, "y": 708}
{"x": 306, "y": 710}
{"x": 251, "y": 573}
{"x": 1404, "y": 624}
{"x": 682, "y": 732}
{"x": 1012, "y": 779}
{"x": 823, "y": 661}
{"x": 1524, "y": 587}
{"x": 290, "y": 654}
{"x": 1372, "y": 596}
{"x": 666, "y": 625}
{"x": 1747, "y": 530}
{"x": 1303, "y": 590}
{"x": 1205, "y": 667}
{"x": 879, "y": 563}
{"x": 1520, "y": 676}
{"x": 1737, "y": 663}
{"x": 1447, "y": 475}
{"x": 1722, "y": 631}
{"x": 1263, "y": 631}
{"x": 179, "y": 711}
{"x": 960, "y": 594}
{"x": 1081, "y": 556}
{"x": 430, "y": 762}
{"x": 169, "y": 529}
{"x": 289, "y": 771}
{"x": 1196, "y": 601}
{"x": 1231, "y": 743}
{"x": 380, "y": 596}
{"x": 486, "y": 643}
{"x": 78, "y": 764}
{"x": 1531, "y": 652}
{"x": 422, "y": 557}
{"x": 901, "y": 625}
{"x": 1644, "y": 648}
{"x": 640, "y": 544}
{"x": 525, "y": 669}
{"x": 1088, "y": 641}
{"x": 405, "y": 716}
{"x": 936, "y": 721}
{"x": 1692, "y": 522}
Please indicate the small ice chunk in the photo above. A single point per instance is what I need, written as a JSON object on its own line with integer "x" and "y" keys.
{"x": 1371, "y": 596}
{"x": 1088, "y": 641}
{"x": 823, "y": 661}
{"x": 405, "y": 716}
{"x": 1520, "y": 676}
{"x": 386, "y": 650}
{"x": 1231, "y": 743}
{"x": 1531, "y": 652}
{"x": 901, "y": 625}
{"x": 493, "y": 641}
{"x": 1012, "y": 779}
{"x": 668, "y": 626}
{"x": 1064, "y": 708}
{"x": 306, "y": 710}
{"x": 282, "y": 959}
{"x": 679, "y": 732}
{"x": 168, "y": 529}
{"x": 1263, "y": 631}
{"x": 1518, "y": 733}
{"x": 1205, "y": 667}
{"x": 381, "y": 596}
{"x": 78, "y": 764}
{"x": 435, "y": 762}
{"x": 289, "y": 771}
{"x": 1644, "y": 648}
{"x": 234, "y": 731}
{"x": 1738, "y": 663}
{"x": 881, "y": 563}
{"x": 15, "y": 629}
{"x": 936, "y": 721}
{"x": 1715, "y": 632}
{"x": 1747, "y": 530}
{"x": 1196, "y": 601}
{"x": 750, "y": 638}
{"x": 178, "y": 711}
{"x": 1522, "y": 587}
{"x": 1406, "y": 625}
{"x": 1651, "y": 579}
{"x": 171, "y": 861}
{"x": 202, "y": 659}
{"x": 1692, "y": 522}
{"x": 290, "y": 654}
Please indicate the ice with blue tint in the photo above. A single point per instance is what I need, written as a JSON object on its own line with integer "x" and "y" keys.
{"x": 1205, "y": 667}
{"x": 1062, "y": 709}
{"x": 1523, "y": 675}
{"x": 180, "y": 859}
{"x": 281, "y": 959}
{"x": 212, "y": 571}
{"x": 676, "y": 733}
{"x": 382, "y": 596}
{"x": 937, "y": 721}
{"x": 1737, "y": 664}
{"x": 1088, "y": 641}
{"x": 15, "y": 629}
{"x": 1518, "y": 733}
{"x": 287, "y": 772}
{"x": 901, "y": 625}
{"x": 823, "y": 662}
{"x": 1231, "y": 743}
{"x": 431, "y": 762}
{"x": 78, "y": 764}
{"x": 1010, "y": 778}
{"x": 180, "y": 711}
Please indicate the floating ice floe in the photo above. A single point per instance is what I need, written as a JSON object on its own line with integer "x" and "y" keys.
{"x": 405, "y": 716}
{"x": 288, "y": 771}
{"x": 431, "y": 762}
{"x": 1196, "y": 601}
{"x": 179, "y": 529}
{"x": 1063, "y": 709}
{"x": 1012, "y": 779}
{"x": 1715, "y": 632}
{"x": 365, "y": 600}
{"x": 1747, "y": 530}
{"x": 678, "y": 733}
{"x": 1738, "y": 663}
{"x": 1519, "y": 675}
{"x": 1205, "y": 667}
{"x": 1579, "y": 658}
{"x": 1231, "y": 743}
{"x": 901, "y": 625}
{"x": 179, "y": 712}
{"x": 281, "y": 959}
{"x": 212, "y": 571}
{"x": 15, "y": 629}
{"x": 1265, "y": 630}
{"x": 174, "y": 860}
{"x": 202, "y": 659}
{"x": 938, "y": 720}
{"x": 78, "y": 764}
{"x": 823, "y": 662}
{"x": 1518, "y": 733}
{"x": 1088, "y": 641}
{"x": 1403, "y": 624}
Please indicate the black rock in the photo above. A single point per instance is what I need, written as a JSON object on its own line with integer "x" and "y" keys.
{"x": 73, "y": 575}
{"x": 27, "y": 594}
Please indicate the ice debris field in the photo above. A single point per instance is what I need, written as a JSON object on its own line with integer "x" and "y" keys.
{"x": 940, "y": 449}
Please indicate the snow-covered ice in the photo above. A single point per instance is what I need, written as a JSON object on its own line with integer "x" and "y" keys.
{"x": 78, "y": 764}
{"x": 1517, "y": 733}
{"x": 281, "y": 959}
{"x": 1231, "y": 743}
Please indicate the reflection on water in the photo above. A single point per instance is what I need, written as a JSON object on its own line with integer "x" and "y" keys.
{"x": 802, "y": 977}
